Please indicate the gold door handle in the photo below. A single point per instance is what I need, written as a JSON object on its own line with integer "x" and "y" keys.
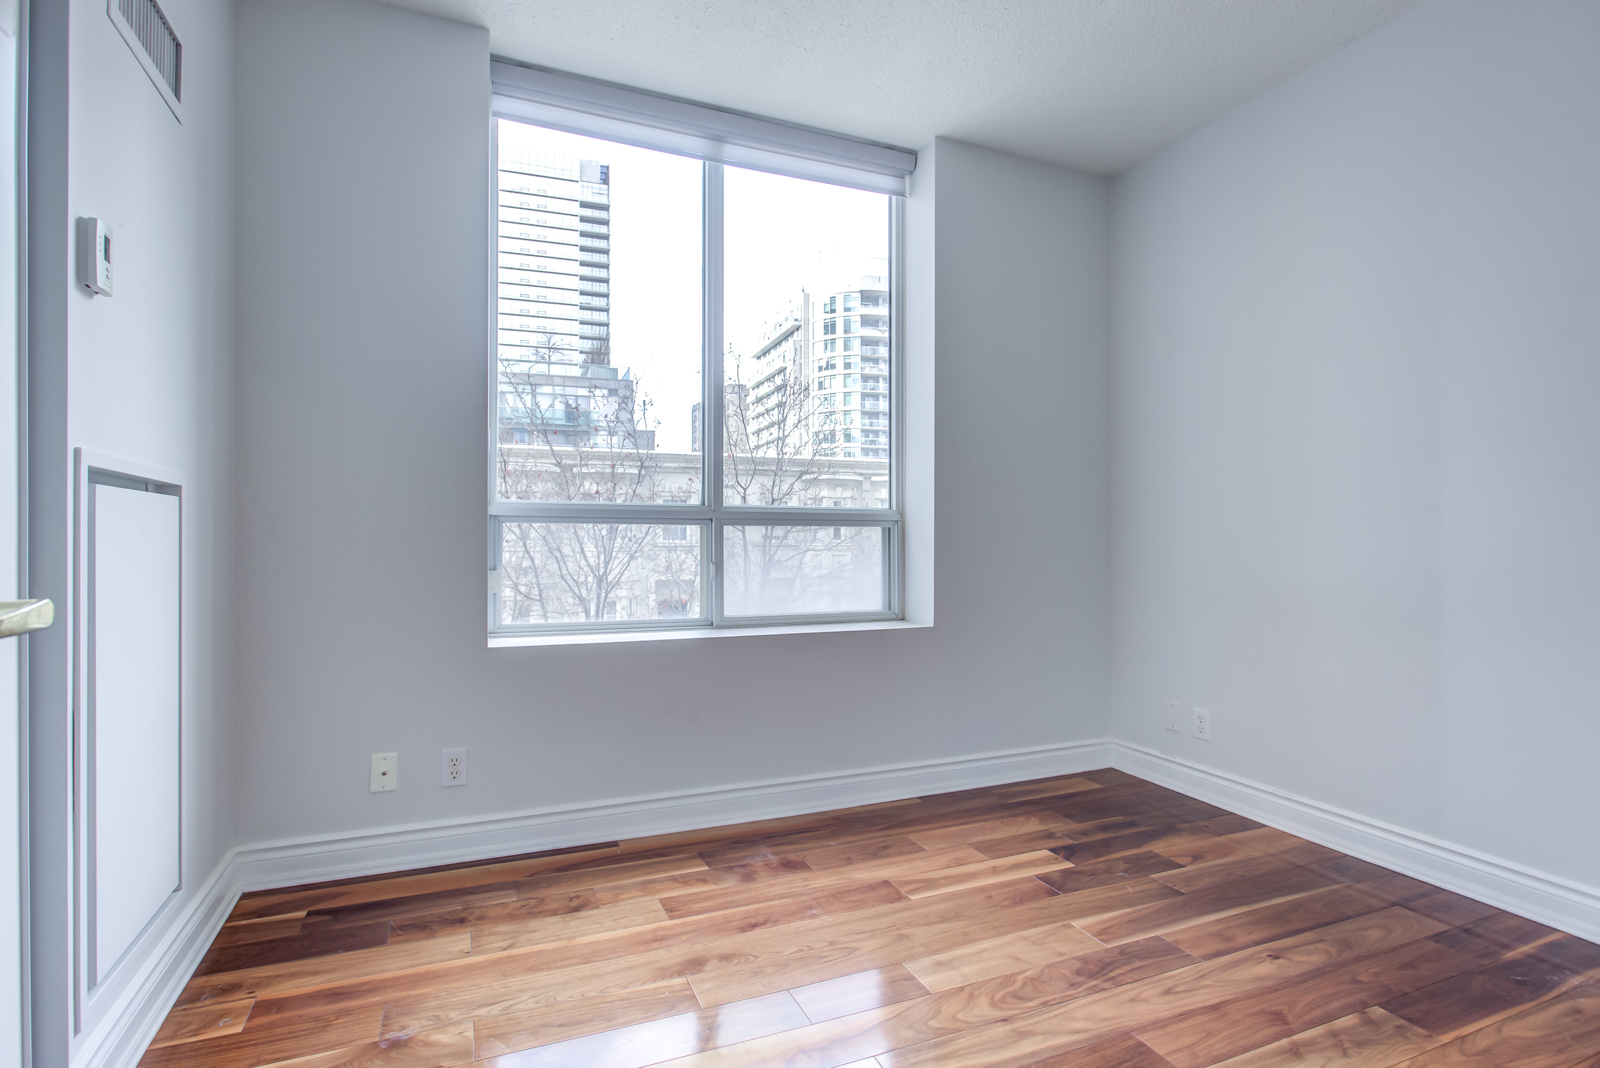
{"x": 21, "y": 617}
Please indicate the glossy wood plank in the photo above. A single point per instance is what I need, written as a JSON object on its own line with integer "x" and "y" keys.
{"x": 1370, "y": 1038}
{"x": 257, "y": 930}
{"x": 1087, "y": 921}
{"x": 1027, "y": 791}
{"x": 667, "y": 1039}
{"x": 1453, "y": 909}
{"x": 209, "y": 1019}
{"x": 567, "y": 1020}
{"x": 813, "y": 883}
{"x": 951, "y": 1012}
{"x": 1129, "y": 1009}
{"x": 748, "y": 964}
{"x": 442, "y": 1048}
{"x": 980, "y": 873}
{"x": 1489, "y": 991}
{"x": 1193, "y": 879}
{"x": 848, "y": 994}
{"x": 1194, "y": 853}
{"x": 1016, "y": 952}
{"x": 912, "y": 932}
{"x": 1216, "y": 901}
{"x": 851, "y": 853}
{"x": 1122, "y": 1052}
{"x": 276, "y": 902}
{"x": 1197, "y": 1039}
{"x": 1552, "y": 1034}
{"x": 1496, "y": 936}
{"x": 1111, "y": 871}
{"x": 414, "y": 909}
{"x": 316, "y": 937}
{"x": 298, "y": 1036}
{"x": 499, "y": 936}
{"x": 1265, "y": 923}
{"x": 300, "y": 976}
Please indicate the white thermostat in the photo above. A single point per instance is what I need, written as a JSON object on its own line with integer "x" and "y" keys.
{"x": 94, "y": 256}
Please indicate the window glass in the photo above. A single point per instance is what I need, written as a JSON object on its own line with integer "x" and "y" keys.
{"x": 803, "y": 570}
{"x": 599, "y": 331}
{"x": 791, "y": 246}
{"x": 598, "y": 572}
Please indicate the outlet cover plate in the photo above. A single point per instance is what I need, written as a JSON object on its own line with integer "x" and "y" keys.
{"x": 385, "y": 773}
{"x": 1202, "y": 724}
{"x": 1175, "y": 716}
{"x": 453, "y": 767}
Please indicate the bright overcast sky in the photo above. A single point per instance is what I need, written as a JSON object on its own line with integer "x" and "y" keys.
{"x": 781, "y": 234}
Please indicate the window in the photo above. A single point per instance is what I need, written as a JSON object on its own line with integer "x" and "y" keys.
{"x": 851, "y": 302}
{"x": 662, "y": 437}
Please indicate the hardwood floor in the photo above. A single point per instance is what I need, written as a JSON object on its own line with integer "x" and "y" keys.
{"x": 1096, "y": 921}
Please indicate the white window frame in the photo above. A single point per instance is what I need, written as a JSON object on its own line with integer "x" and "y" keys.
{"x": 595, "y": 109}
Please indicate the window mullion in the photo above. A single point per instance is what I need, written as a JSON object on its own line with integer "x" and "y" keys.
{"x": 711, "y": 377}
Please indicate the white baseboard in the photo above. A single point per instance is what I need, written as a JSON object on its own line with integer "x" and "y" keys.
{"x": 1537, "y": 895}
{"x": 122, "y": 1031}
{"x": 343, "y": 856}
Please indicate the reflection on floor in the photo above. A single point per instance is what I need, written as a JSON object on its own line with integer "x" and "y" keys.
{"x": 1097, "y": 920}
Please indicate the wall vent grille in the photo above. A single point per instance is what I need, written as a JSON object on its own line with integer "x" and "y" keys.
{"x": 154, "y": 43}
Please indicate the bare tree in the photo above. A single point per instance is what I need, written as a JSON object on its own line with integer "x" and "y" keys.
{"x": 570, "y": 433}
{"x": 578, "y": 431}
{"x": 771, "y": 438}
{"x": 780, "y": 445}
{"x": 560, "y": 571}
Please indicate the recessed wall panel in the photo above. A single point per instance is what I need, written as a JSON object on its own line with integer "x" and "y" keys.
{"x": 133, "y": 623}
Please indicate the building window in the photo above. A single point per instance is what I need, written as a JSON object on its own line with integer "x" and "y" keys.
{"x": 617, "y": 504}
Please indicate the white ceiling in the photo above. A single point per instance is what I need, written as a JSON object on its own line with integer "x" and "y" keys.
{"x": 1094, "y": 84}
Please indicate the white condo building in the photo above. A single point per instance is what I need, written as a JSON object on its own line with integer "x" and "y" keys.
{"x": 850, "y": 370}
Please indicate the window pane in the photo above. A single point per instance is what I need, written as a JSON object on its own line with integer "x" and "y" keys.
{"x": 599, "y": 332}
{"x": 793, "y": 570}
{"x": 598, "y": 572}
{"x": 795, "y": 252}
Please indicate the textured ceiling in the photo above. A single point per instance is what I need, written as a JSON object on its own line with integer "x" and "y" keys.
{"x": 1094, "y": 84}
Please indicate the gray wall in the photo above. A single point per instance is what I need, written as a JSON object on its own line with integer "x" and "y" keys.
{"x": 362, "y": 297}
{"x": 1357, "y": 451}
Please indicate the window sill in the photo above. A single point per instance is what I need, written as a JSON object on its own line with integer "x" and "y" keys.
{"x": 519, "y": 641}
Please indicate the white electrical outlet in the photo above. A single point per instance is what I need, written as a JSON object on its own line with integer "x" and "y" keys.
{"x": 1174, "y": 715}
{"x": 1202, "y": 724}
{"x": 385, "y": 772}
{"x": 453, "y": 767}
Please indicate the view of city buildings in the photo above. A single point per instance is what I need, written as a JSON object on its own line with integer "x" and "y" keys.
{"x": 557, "y": 385}
{"x": 850, "y": 368}
{"x": 806, "y": 423}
